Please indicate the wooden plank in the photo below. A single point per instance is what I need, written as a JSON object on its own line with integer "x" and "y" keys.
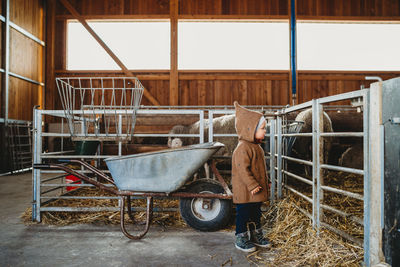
{"x": 243, "y": 92}
{"x": 202, "y": 92}
{"x": 73, "y": 11}
{"x": 350, "y": 18}
{"x": 28, "y": 14}
{"x": 234, "y": 17}
{"x": 173, "y": 81}
{"x": 122, "y": 17}
{"x": 22, "y": 97}
{"x": 268, "y": 89}
{"x": 232, "y": 77}
{"x": 219, "y": 7}
{"x": 25, "y": 56}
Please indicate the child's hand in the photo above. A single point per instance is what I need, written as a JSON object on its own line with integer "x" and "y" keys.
{"x": 256, "y": 190}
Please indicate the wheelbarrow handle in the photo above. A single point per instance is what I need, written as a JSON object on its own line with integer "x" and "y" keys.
{"x": 76, "y": 174}
{"x": 93, "y": 169}
{"x": 41, "y": 166}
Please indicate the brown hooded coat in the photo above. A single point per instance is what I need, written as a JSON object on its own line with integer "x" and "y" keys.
{"x": 248, "y": 164}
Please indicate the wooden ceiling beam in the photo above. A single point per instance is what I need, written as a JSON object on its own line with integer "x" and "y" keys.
{"x": 77, "y": 16}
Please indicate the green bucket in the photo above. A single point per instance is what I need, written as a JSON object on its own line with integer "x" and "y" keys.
{"x": 86, "y": 147}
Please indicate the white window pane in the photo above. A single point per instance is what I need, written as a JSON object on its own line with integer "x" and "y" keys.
{"x": 139, "y": 45}
{"x": 233, "y": 45}
{"x": 323, "y": 46}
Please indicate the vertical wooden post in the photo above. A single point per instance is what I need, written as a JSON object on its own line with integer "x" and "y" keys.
{"x": 173, "y": 74}
{"x": 50, "y": 23}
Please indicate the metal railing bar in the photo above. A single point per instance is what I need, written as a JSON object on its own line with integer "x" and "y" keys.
{"x": 79, "y": 197}
{"x": 298, "y": 134}
{"x": 58, "y": 152}
{"x": 305, "y": 162}
{"x": 345, "y": 235}
{"x": 304, "y": 180}
{"x": 343, "y": 134}
{"x": 25, "y": 79}
{"x": 71, "y": 184}
{"x": 297, "y": 107}
{"x": 343, "y": 192}
{"x": 80, "y": 171}
{"x": 343, "y": 169}
{"x": 344, "y": 96}
{"x": 50, "y": 190}
{"x": 298, "y": 193}
{"x": 97, "y": 209}
{"x": 54, "y": 178}
{"x": 342, "y": 213}
{"x": 75, "y": 156}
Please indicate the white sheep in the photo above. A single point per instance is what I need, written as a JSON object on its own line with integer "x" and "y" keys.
{"x": 302, "y": 147}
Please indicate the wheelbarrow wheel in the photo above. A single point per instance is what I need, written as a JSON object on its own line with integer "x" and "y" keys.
{"x": 206, "y": 214}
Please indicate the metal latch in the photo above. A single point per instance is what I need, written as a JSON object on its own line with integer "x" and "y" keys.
{"x": 395, "y": 120}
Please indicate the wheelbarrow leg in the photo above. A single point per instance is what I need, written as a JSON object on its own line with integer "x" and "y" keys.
{"x": 129, "y": 206}
{"x": 128, "y": 198}
{"x": 149, "y": 215}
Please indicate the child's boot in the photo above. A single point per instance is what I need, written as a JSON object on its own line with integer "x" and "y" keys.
{"x": 243, "y": 243}
{"x": 258, "y": 239}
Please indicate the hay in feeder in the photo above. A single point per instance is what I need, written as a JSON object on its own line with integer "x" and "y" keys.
{"x": 295, "y": 242}
{"x": 103, "y": 217}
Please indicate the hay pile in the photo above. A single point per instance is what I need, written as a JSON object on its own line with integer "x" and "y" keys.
{"x": 349, "y": 182}
{"x": 295, "y": 243}
{"x": 104, "y": 217}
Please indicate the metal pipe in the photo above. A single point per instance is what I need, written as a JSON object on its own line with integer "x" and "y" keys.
{"x": 297, "y": 134}
{"x": 25, "y": 78}
{"x": 210, "y": 126}
{"x": 272, "y": 159}
{"x": 367, "y": 178}
{"x": 373, "y": 78}
{"x": 298, "y": 177}
{"x": 331, "y": 228}
{"x": 344, "y": 96}
{"x": 305, "y": 162}
{"x": 343, "y": 234}
{"x": 343, "y": 169}
{"x": 342, "y": 213}
{"x": 279, "y": 159}
{"x": 293, "y": 61}
{"x": 6, "y": 54}
{"x": 343, "y": 134}
{"x": 298, "y": 193}
{"x": 343, "y": 192}
{"x": 201, "y": 130}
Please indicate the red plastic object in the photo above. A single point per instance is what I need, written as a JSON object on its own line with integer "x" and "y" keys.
{"x": 71, "y": 179}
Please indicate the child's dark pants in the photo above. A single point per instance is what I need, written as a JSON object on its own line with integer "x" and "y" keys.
{"x": 247, "y": 212}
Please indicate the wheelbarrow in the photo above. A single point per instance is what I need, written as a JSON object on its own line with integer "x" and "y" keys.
{"x": 205, "y": 204}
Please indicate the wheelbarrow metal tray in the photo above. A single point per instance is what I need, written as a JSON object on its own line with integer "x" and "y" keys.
{"x": 160, "y": 171}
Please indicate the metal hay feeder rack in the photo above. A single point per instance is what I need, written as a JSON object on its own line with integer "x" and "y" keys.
{"x": 100, "y": 108}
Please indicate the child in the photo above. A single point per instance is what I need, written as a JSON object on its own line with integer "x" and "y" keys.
{"x": 249, "y": 179}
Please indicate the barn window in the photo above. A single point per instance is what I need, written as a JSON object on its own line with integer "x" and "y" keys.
{"x": 348, "y": 46}
{"x": 255, "y": 45}
{"x": 140, "y": 45}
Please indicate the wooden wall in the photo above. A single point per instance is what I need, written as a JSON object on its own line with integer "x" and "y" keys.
{"x": 350, "y": 9}
{"x": 217, "y": 87}
{"x": 26, "y": 58}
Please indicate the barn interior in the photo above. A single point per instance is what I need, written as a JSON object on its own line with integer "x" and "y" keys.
{"x": 71, "y": 89}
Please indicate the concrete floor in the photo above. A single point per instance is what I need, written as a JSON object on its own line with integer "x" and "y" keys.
{"x": 93, "y": 245}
